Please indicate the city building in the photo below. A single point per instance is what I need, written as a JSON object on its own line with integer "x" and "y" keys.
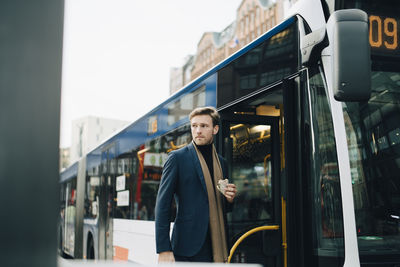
{"x": 88, "y": 132}
{"x": 253, "y": 18}
{"x": 175, "y": 79}
{"x": 214, "y": 47}
{"x": 181, "y": 75}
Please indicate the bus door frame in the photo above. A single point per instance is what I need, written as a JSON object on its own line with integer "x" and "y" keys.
{"x": 290, "y": 188}
{"x": 226, "y": 119}
{"x": 294, "y": 92}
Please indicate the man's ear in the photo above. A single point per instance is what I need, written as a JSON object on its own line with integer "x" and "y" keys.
{"x": 215, "y": 130}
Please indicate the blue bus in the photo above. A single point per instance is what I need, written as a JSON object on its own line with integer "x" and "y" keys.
{"x": 311, "y": 133}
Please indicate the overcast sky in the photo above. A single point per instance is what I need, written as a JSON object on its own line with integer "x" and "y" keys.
{"x": 118, "y": 53}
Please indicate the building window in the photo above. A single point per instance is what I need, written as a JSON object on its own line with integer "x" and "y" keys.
{"x": 257, "y": 14}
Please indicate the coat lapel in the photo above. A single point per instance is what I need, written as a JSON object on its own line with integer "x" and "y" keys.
{"x": 197, "y": 166}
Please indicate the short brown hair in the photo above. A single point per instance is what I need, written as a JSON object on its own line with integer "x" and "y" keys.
{"x": 211, "y": 111}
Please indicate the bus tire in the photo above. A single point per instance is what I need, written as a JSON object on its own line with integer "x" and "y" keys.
{"x": 90, "y": 249}
{"x": 60, "y": 246}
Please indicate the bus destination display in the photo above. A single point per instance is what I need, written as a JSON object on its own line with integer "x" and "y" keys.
{"x": 384, "y": 35}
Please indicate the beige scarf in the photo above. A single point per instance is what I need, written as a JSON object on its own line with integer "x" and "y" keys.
{"x": 217, "y": 226}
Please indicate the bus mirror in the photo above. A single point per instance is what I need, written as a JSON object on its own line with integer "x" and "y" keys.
{"x": 312, "y": 45}
{"x": 348, "y": 55}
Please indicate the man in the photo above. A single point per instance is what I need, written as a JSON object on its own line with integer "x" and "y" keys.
{"x": 192, "y": 174}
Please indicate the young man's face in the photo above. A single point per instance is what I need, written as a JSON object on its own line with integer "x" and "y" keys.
{"x": 203, "y": 130}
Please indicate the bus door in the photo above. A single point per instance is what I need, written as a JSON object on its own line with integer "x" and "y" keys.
{"x": 69, "y": 214}
{"x": 108, "y": 163}
{"x": 250, "y": 141}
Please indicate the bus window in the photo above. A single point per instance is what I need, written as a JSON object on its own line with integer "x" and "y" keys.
{"x": 70, "y": 216}
{"x": 176, "y": 139}
{"x": 62, "y": 201}
{"x": 152, "y": 162}
{"x": 251, "y": 172}
{"x": 181, "y": 108}
{"x": 373, "y": 137}
{"x": 269, "y": 62}
{"x": 322, "y": 179}
{"x": 138, "y": 175}
{"x": 156, "y": 153}
{"x": 124, "y": 183}
{"x": 92, "y": 196}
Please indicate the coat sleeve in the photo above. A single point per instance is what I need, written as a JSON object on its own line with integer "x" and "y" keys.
{"x": 163, "y": 203}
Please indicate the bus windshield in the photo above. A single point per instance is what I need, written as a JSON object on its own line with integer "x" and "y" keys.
{"x": 384, "y": 24}
{"x": 373, "y": 136}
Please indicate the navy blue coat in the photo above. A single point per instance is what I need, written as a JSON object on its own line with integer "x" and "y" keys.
{"x": 183, "y": 178}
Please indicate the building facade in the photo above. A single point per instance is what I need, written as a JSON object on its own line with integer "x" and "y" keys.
{"x": 253, "y": 18}
{"x": 88, "y": 132}
{"x": 181, "y": 75}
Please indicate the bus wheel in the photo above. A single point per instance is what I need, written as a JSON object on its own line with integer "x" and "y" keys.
{"x": 90, "y": 249}
{"x": 60, "y": 247}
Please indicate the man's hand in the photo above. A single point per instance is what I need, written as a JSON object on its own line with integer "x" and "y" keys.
{"x": 166, "y": 256}
{"x": 230, "y": 192}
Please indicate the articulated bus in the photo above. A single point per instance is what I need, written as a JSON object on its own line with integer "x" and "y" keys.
{"x": 311, "y": 133}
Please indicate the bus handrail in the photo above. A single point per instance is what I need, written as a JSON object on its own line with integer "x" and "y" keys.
{"x": 248, "y": 233}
